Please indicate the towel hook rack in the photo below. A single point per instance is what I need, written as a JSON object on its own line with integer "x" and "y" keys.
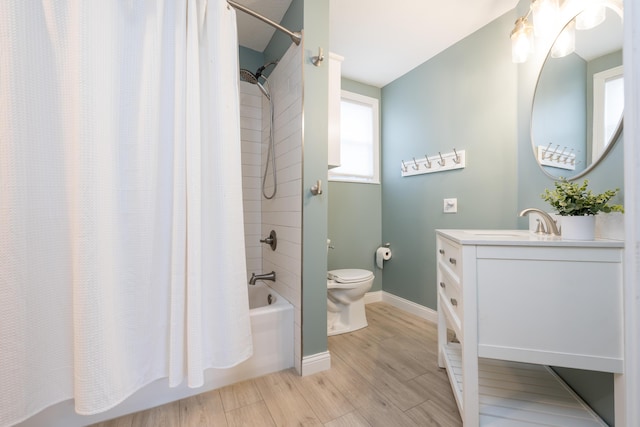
{"x": 436, "y": 163}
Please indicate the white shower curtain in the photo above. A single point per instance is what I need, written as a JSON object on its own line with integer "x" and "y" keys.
{"x": 121, "y": 232}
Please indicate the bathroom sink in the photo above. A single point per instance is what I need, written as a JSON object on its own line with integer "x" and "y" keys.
{"x": 498, "y": 233}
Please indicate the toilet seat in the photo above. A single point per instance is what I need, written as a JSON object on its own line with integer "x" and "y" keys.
{"x": 349, "y": 275}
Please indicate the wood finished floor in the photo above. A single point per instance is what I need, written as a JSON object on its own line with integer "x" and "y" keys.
{"x": 383, "y": 375}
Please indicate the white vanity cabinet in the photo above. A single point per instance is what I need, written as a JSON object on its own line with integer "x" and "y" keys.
{"x": 516, "y": 303}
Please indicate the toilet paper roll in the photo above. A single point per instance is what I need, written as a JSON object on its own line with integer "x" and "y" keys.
{"x": 382, "y": 254}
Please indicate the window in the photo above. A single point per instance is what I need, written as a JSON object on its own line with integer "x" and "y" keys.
{"x": 608, "y": 106}
{"x": 359, "y": 140}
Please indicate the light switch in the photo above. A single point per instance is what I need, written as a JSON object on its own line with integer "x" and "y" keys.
{"x": 450, "y": 206}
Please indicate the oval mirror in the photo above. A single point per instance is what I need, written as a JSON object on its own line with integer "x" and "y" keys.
{"x": 578, "y": 103}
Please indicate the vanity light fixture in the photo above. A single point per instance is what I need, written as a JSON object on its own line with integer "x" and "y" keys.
{"x": 591, "y": 17}
{"x": 521, "y": 40}
{"x": 565, "y": 44}
{"x": 545, "y": 15}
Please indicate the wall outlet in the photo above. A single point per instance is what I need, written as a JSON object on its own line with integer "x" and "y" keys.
{"x": 450, "y": 206}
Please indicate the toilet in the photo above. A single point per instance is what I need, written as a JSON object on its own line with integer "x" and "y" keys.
{"x": 345, "y": 300}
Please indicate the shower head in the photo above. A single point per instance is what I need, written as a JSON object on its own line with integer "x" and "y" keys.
{"x": 261, "y": 69}
{"x": 249, "y": 77}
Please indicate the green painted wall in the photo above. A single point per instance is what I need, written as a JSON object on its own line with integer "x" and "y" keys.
{"x": 315, "y": 208}
{"x": 355, "y": 220}
{"x": 464, "y": 98}
{"x": 293, "y": 20}
{"x": 250, "y": 59}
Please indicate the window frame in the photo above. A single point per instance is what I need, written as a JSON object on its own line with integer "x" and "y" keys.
{"x": 599, "y": 144}
{"x": 374, "y": 104}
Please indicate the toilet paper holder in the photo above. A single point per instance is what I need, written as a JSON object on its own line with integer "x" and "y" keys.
{"x": 383, "y": 253}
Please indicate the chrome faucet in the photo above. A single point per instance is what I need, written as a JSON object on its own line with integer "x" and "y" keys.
{"x": 266, "y": 276}
{"x": 551, "y": 226}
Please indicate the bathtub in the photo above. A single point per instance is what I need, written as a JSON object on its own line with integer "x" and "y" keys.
{"x": 272, "y": 331}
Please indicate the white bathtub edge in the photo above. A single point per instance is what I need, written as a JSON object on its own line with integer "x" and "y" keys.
{"x": 316, "y": 363}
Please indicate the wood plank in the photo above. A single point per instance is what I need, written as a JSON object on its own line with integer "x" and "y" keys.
{"x": 325, "y": 399}
{"x": 252, "y": 415}
{"x": 430, "y": 413}
{"x": 162, "y": 416}
{"x": 286, "y": 404}
{"x": 352, "y": 419}
{"x": 370, "y": 402}
{"x": 383, "y": 378}
{"x": 239, "y": 395}
{"x": 204, "y": 409}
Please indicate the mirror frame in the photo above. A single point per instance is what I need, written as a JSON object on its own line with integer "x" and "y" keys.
{"x": 615, "y": 137}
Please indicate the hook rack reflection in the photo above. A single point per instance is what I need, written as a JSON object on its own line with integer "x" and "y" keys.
{"x": 556, "y": 157}
{"x": 437, "y": 163}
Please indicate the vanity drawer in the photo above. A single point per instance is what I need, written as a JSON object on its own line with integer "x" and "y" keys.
{"x": 451, "y": 295}
{"x": 450, "y": 254}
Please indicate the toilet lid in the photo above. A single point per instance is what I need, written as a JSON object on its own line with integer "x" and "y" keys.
{"x": 350, "y": 275}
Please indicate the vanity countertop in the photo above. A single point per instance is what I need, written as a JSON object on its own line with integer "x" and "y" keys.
{"x": 522, "y": 238}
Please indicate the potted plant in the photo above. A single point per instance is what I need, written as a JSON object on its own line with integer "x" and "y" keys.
{"x": 578, "y": 206}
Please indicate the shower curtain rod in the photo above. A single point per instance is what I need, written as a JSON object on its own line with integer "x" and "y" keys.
{"x": 296, "y": 37}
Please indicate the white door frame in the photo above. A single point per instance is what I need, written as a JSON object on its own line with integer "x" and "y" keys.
{"x": 628, "y": 385}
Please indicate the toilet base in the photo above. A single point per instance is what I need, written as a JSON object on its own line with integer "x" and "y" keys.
{"x": 342, "y": 329}
{"x": 348, "y": 319}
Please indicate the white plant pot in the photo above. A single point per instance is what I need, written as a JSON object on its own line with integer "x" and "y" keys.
{"x": 578, "y": 227}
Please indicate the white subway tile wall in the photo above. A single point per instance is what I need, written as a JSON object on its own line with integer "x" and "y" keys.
{"x": 283, "y": 213}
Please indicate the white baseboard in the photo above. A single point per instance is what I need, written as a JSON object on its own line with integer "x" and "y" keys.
{"x": 410, "y": 307}
{"x": 370, "y": 297}
{"x": 316, "y": 363}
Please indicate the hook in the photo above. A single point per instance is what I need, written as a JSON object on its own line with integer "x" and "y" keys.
{"x": 316, "y": 60}
{"x": 415, "y": 165}
{"x": 442, "y": 161}
{"x": 428, "y": 165}
{"x": 316, "y": 189}
{"x": 568, "y": 156}
{"x": 456, "y": 159}
{"x": 561, "y": 153}
{"x": 544, "y": 152}
{"x": 404, "y": 167}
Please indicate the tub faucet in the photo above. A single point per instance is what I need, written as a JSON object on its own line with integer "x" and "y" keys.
{"x": 550, "y": 223}
{"x": 266, "y": 276}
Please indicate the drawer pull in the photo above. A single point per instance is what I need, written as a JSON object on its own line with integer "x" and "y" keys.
{"x": 454, "y": 302}
{"x": 442, "y": 285}
{"x": 441, "y": 251}
{"x": 452, "y": 261}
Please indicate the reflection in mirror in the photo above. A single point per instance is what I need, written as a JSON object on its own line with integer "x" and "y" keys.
{"x": 578, "y": 103}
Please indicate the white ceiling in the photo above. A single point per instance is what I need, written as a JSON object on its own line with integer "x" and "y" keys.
{"x": 383, "y": 39}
